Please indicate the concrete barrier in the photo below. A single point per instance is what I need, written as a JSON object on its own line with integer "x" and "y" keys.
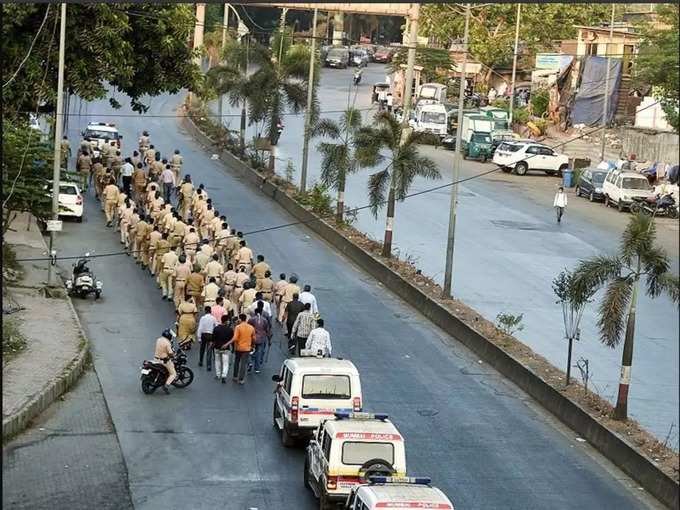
{"x": 624, "y": 455}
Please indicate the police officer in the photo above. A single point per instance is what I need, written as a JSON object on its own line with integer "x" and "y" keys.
{"x": 164, "y": 354}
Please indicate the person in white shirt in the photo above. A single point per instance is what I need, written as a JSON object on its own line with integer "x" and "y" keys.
{"x": 126, "y": 173}
{"x": 265, "y": 305}
{"x": 319, "y": 340}
{"x": 559, "y": 203}
{"x": 307, "y": 297}
{"x": 389, "y": 101}
{"x": 206, "y": 324}
{"x": 168, "y": 180}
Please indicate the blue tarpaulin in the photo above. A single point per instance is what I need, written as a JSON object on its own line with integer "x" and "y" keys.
{"x": 588, "y": 103}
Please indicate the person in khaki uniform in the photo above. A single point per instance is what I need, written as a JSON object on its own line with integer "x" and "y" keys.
{"x": 186, "y": 191}
{"x": 190, "y": 244}
{"x": 201, "y": 259}
{"x": 165, "y": 217}
{"x": 163, "y": 354}
{"x": 144, "y": 245}
{"x": 140, "y": 233}
{"x": 221, "y": 241}
{"x": 168, "y": 265}
{"x": 244, "y": 257}
{"x": 179, "y": 230}
{"x": 288, "y": 291}
{"x": 116, "y": 164}
{"x": 84, "y": 165}
{"x": 241, "y": 278}
{"x": 176, "y": 165}
{"x": 162, "y": 247}
{"x": 150, "y": 155}
{"x": 231, "y": 247}
{"x": 65, "y": 148}
{"x": 125, "y": 214}
{"x": 210, "y": 293}
{"x": 198, "y": 210}
{"x": 182, "y": 272}
{"x": 266, "y": 286}
{"x": 207, "y": 215}
{"x": 194, "y": 287}
{"x": 186, "y": 319}
{"x": 109, "y": 153}
{"x": 156, "y": 169}
{"x": 131, "y": 230}
{"x": 139, "y": 183}
{"x": 110, "y": 201}
{"x": 156, "y": 205}
{"x": 207, "y": 249}
{"x": 214, "y": 269}
{"x": 144, "y": 142}
{"x": 260, "y": 269}
{"x": 105, "y": 180}
{"x": 279, "y": 288}
{"x": 229, "y": 281}
{"x": 247, "y": 297}
{"x": 154, "y": 236}
{"x": 150, "y": 194}
{"x": 215, "y": 227}
{"x": 98, "y": 172}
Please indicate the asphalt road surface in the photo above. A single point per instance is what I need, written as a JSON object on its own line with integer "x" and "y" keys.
{"x": 508, "y": 250}
{"x": 213, "y": 446}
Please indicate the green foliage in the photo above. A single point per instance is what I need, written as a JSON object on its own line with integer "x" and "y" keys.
{"x": 520, "y": 115}
{"x": 657, "y": 62}
{"x": 138, "y": 49}
{"x": 290, "y": 171}
{"x": 501, "y": 103}
{"x": 26, "y": 166}
{"x": 317, "y": 199}
{"x": 539, "y": 102}
{"x": 436, "y": 62}
{"x": 13, "y": 341}
{"x": 492, "y": 27}
{"x": 509, "y": 324}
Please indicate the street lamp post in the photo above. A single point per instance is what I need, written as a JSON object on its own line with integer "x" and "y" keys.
{"x": 514, "y": 67}
{"x": 58, "y": 130}
{"x": 308, "y": 113}
{"x": 457, "y": 162}
{"x": 225, "y": 24}
{"x": 605, "y": 102}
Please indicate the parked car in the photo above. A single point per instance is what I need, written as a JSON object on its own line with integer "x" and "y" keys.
{"x": 590, "y": 184}
{"x": 358, "y": 57}
{"x": 523, "y": 157}
{"x": 337, "y": 57}
{"x": 70, "y": 199}
{"x": 620, "y": 186}
{"x": 383, "y": 55}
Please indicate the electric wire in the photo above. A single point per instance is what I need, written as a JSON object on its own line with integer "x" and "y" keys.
{"x": 30, "y": 49}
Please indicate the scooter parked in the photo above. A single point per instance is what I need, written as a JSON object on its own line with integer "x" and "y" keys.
{"x": 83, "y": 281}
{"x": 659, "y": 205}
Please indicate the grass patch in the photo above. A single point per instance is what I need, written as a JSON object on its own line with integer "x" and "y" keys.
{"x": 9, "y": 257}
{"x": 13, "y": 341}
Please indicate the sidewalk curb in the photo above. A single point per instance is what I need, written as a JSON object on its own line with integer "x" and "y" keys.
{"x": 610, "y": 444}
{"x": 54, "y": 389}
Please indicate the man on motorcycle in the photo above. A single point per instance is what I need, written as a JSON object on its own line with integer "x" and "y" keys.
{"x": 164, "y": 354}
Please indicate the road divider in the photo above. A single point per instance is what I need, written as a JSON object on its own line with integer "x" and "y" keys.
{"x": 614, "y": 447}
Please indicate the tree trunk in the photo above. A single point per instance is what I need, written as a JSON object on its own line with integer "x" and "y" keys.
{"x": 242, "y": 131}
{"x": 621, "y": 410}
{"x": 339, "y": 215}
{"x": 389, "y": 222}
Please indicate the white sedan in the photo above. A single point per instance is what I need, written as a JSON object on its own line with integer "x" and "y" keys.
{"x": 70, "y": 200}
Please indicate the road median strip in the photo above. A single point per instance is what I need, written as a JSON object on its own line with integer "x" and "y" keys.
{"x": 631, "y": 459}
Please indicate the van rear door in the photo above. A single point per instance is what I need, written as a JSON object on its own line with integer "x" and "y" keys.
{"x": 324, "y": 394}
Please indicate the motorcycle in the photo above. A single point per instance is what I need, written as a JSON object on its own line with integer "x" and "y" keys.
{"x": 154, "y": 374}
{"x": 357, "y": 77}
{"x": 82, "y": 281}
{"x": 656, "y": 206}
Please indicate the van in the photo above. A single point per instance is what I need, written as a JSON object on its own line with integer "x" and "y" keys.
{"x": 397, "y": 492}
{"x": 621, "y": 186}
{"x": 311, "y": 389}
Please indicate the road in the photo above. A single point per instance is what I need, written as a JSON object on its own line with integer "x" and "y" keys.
{"x": 481, "y": 439}
{"x": 508, "y": 250}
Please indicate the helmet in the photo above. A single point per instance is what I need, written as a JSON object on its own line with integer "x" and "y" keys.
{"x": 167, "y": 334}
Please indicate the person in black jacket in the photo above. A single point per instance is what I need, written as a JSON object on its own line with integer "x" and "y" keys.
{"x": 222, "y": 334}
{"x": 292, "y": 310}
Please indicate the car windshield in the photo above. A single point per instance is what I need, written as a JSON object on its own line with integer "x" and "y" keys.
{"x": 105, "y": 135}
{"x": 68, "y": 190}
{"x": 481, "y": 138}
{"x": 500, "y": 124}
{"x": 598, "y": 177}
{"x": 434, "y": 117}
{"x": 326, "y": 386}
{"x": 635, "y": 183}
{"x": 356, "y": 454}
{"x": 510, "y": 147}
{"x": 336, "y": 53}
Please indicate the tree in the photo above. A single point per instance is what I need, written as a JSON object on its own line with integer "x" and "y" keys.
{"x": 343, "y": 157}
{"x": 135, "y": 49}
{"x": 638, "y": 259}
{"x": 657, "y": 62}
{"x": 404, "y": 165}
{"x": 26, "y": 168}
{"x": 435, "y": 62}
{"x": 492, "y": 27}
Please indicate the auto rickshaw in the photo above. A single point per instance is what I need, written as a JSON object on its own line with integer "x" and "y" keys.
{"x": 377, "y": 88}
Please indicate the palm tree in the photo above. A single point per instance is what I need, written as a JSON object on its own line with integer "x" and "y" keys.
{"x": 405, "y": 164}
{"x": 638, "y": 259}
{"x": 341, "y": 158}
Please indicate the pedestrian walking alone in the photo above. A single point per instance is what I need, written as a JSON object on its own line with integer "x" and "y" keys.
{"x": 560, "y": 203}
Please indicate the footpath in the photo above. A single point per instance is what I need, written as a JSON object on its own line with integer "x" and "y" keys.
{"x": 56, "y": 349}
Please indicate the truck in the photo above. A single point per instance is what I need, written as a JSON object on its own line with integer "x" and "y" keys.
{"x": 430, "y": 118}
{"x": 476, "y": 136}
{"x": 432, "y": 92}
{"x": 500, "y": 131}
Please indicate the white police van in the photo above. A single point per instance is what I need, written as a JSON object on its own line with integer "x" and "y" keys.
{"x": 397, "y": 492}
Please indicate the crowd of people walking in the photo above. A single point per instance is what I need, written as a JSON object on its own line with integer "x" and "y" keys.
{"x": 224, "y": 295}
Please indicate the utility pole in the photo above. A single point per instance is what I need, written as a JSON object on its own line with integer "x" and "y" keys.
{"x": 225, "y": 24}
{"x": 514, "y": 67}
{"x": 198, "y": 39}
{"x": 410, "y": 61}
{"x": 58, "y": 130}
{"x": 308, "y": 113}
{"x": 457, "y": 162}
{"x": 605, "y": 102}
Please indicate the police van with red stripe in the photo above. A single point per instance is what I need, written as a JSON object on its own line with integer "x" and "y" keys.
{"x": 397, "y": 493}
{"x": 310, "y": 390}
{"x": 347, "y": 451}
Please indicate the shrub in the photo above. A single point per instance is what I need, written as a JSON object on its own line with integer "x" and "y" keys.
{"x": 317, "y": 199}
{"x": 509, "y": 323}
{"x": 539, "y": 102}
{"x": 520, "y": 116}
{"x": 13, "y": 342}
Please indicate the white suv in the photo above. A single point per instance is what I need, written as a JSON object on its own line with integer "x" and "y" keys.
{"x": 620, "y": 187}
{"x": 522, "y": 157}
{"x": 397, "y": 492}
{"x": 100, "y": 134}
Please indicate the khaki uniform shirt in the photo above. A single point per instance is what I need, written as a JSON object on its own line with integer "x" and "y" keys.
{"x": 260, "y": 269}
{"x": 208, "y": 250}
{"x": 182, "y": 271}
{"x": 241, "y": 278}
{"x": 213, "y": 269}
{"x": 176, "y": 160}
{"x": 244, "y": 255}
{"x": 210, "y": 292}
{"x": 288, "y": 292}
{"x": 191, "y": 241}
{"x": 215, "y": 225}
{"x": 163, "y": 247}
{"x": 169, "y": 260}
{"x": 84, "y": 163}
{"x": 154, "y": 237}
{"x": 111, "y": 193}
{"x": 246, "y": 298}
{"x": 187, "y": 190}
{"x": 139, "y": 178}
{"x": 163, "y": 348}
{"x": 229, "y": 278}
{"x": 194, "y": 284}
{"x": 150, "y": 155}
{"x": 266, "y": 286}
{"x": 116, "y": 163}
{"x": 202, "y": 260}
{"x": 222, "y": 237}
{"x": 140, "y": 229}
{"x": 279, "y": 287}
{"x": 98, "y": 170}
